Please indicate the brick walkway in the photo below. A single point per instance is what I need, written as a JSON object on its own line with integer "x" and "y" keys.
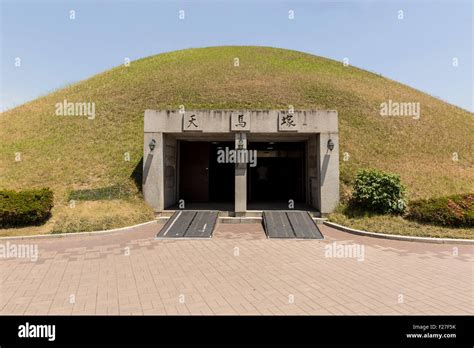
{"x": 238, "y": 271}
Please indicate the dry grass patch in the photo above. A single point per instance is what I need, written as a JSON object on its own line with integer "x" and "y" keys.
{"x": 398, "y": 225}
{"x": 89, "y": 216}
{"x": 101, "y": 215}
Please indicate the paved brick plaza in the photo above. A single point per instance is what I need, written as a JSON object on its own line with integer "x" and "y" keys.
{"x": 238, "y": 271}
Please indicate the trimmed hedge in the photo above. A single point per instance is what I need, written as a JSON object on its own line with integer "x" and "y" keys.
{"x": 378, "y": 192}
{"x": 451, "y": 211}
{"x": 30, "y": 207}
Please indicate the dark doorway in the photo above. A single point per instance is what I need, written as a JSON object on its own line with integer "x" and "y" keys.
{"x": 194, "y": 171}
{"x": 202, "y": 177}
{"x": 279, "y": 174}
{"x": 222, "y": 175}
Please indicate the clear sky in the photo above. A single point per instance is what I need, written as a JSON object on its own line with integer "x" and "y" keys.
{"x": 417, "y": 50}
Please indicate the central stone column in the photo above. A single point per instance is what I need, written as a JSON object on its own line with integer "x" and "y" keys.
{"x": 240, "y": 206}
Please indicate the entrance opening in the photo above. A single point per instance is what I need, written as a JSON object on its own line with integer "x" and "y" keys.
{"x": 222, "y": 175}
{"x": 279, "y": 174}
{"x": 201, "y": 178}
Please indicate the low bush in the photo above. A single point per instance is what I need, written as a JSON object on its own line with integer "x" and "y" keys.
{"x": 378, "y": 192}
{"x": 452, "y": 211}
{"x": 31, "y": 207}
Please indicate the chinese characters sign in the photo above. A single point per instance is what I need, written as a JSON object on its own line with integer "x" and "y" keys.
{"x": 240, "y": 122}
{"x": 192, "y": 122}
{"x": 287, "y": 122}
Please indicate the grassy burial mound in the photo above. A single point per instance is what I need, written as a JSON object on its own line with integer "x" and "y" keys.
{"x": 95, "y": 156}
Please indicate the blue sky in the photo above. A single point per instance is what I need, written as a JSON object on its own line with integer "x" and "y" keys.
{"x": 417, "y": 50}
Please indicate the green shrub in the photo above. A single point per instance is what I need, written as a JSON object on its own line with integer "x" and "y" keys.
{"x": 378, "y": 192}
{"x": 452, "y": 211}
{"x": 31, "y": 207}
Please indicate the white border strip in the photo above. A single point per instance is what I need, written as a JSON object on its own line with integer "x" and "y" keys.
{"x": 71, "y": 234}
{"x": 399, "y": 237}
{"x": 172, "y": 223}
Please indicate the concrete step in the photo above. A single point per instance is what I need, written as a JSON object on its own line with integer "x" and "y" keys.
{"x": 318, "y": 220}
{"x": 249, "y": 213}
{"x": 239, "y": 220}
{"x": 164, "y": 214}
{"x": 250, "y": 216}
{"x": 259, "y": 213}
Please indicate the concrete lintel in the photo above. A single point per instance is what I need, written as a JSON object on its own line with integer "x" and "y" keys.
{"x": 220, "y": 121}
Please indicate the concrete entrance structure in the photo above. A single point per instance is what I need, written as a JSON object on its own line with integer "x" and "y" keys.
{"x": 317, "y": 129}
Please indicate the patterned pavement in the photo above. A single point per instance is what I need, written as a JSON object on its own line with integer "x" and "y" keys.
{"x": 238, "y": 271}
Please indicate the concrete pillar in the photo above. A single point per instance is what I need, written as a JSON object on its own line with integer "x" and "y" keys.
{"x": 240, "y": 205}
{"x": 153, "y": 170}
{"x": 328, "y": 173}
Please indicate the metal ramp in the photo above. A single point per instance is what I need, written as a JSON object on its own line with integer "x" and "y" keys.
{"x": 290, "y": 224}
{"x": 189, "y": 224}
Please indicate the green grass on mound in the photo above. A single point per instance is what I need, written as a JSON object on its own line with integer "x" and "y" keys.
{"x": 72, "y": 153}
